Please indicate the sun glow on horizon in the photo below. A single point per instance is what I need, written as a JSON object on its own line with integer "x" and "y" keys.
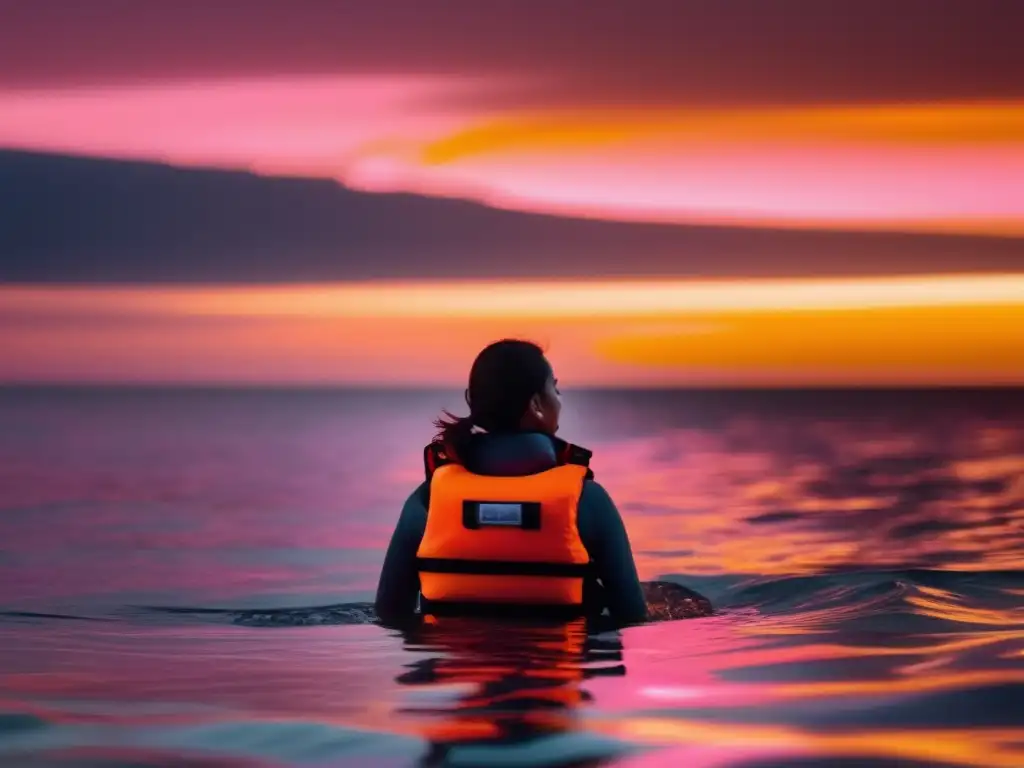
{"x": 938, "y": 329}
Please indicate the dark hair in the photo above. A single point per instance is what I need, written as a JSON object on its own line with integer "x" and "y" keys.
{"x": 504, "y": 376}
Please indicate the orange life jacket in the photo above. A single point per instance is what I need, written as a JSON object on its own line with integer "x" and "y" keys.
{"x": 504, "y": 540}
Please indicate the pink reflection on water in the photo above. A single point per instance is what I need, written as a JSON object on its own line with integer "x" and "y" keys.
{"x": 223, "y": 496}
{"x": 785, "y": 495}
{"x": 471, "y": 684}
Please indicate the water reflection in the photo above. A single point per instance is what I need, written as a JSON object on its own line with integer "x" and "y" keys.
{"x": 502, "y": 684}
{"x": 860, "y": 549}
{"x": 257, "y": 499}
{"x": 787, "y": 483}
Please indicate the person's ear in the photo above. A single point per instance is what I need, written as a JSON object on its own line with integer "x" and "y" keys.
{"x": 536, "y": 407}
{"x": 466, "y": 395}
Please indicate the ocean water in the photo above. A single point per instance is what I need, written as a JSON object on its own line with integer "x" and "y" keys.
{"x": 863, "y": 552}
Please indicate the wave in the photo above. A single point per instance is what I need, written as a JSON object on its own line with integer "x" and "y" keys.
{"x": 901, "y": 600}
{"x": 340, "y": 613}
{"x": 666, "y": 601}
{"x": 868, "y": 584}
{"x": 47, "y": 616}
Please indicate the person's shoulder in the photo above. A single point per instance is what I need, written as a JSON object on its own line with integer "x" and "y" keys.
{"x": 597, "y": 518}
{"x": 420, "y": 495}
{"x": 412, "y": 521}
{"x": 594, "y": 495}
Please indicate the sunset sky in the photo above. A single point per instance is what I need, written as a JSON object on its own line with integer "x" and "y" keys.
{"x": 808, "y": 193}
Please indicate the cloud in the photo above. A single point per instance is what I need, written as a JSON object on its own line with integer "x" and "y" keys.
{"x": 767, "y": 518}
{"x": 103, "y": 221}
{"x": 839, "y": 343}
{"x": 581, "y": 53}
{"x": 925, "y": 330}
{"x": 936, "y": 167}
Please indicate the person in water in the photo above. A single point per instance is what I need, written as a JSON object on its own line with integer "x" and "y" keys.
{"x": 509, "y": 515}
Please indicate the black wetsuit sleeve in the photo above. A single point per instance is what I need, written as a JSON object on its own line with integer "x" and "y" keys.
{"x": 399, "y": 585}
{"x": 604, "y": 535}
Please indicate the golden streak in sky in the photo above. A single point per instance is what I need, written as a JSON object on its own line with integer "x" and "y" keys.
{"x": 952, "y": 123}
{"x": 556, "y": 299}
{"x": 944, "y": 329}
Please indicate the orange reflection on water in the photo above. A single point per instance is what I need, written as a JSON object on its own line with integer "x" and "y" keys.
{"x": 513, "y": 682}
{"x": 721, "y": 690}
{"x": 709, "y": 692}
{"x": 964, "y": 614}
{"x": 784, "y": 494}
{"x": 991, "y": 748}
{"x": 794, "y": 513}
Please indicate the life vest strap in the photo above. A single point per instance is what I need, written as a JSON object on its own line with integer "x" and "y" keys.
{"x": 572, "y": 454}
{"x": 529, "y": 612}
{"x": 436, "y": 455}
{"x": 502, "y": 568}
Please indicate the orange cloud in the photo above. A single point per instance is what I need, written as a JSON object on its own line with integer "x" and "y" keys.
{"x": 987, "y": 123}
{"x": 924, "y": 330}
{"x": 986, "y": 341}
{"x": 921, "y": 168}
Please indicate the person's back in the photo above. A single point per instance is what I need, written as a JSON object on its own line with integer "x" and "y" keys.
{"x": 454, "y": 551}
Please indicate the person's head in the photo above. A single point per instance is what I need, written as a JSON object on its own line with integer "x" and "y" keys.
{"x": 512, "y": 388}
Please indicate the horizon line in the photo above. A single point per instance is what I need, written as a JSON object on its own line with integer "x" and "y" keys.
{"x": 412, "y": 387}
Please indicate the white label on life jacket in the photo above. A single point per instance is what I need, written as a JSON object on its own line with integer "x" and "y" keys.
{"x": 501, "y": 514}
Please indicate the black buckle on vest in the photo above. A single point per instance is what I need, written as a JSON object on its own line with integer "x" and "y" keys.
{"x": 577, "y": 455}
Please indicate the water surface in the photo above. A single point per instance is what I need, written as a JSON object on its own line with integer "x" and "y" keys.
{"x": 861, "y": 550}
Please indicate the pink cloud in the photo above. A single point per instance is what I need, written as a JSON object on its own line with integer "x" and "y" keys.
{"x": 957, "y": 187}
{"x": 920, "y": 168}
{"x": 306, "y": 125}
